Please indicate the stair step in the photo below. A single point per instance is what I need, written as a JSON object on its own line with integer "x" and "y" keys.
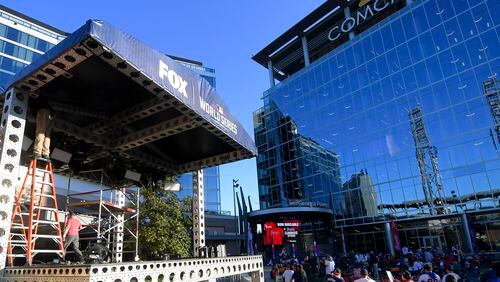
{"x": 44, "y": 183}
{"x": 46, "y": 236}
{"x": 18, "y": 245}
{"x": 46, "y": 208}
{"x": 48, "y": 251}
{"x": 45, "y": 195}
{"x": 17, "y": 241}
{"x": 45, "y": 221}
{"x": 19, "y": 227}
{"x": 16, "y": 255}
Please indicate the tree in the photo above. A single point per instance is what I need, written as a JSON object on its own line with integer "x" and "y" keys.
{"x": 163, "y": 227}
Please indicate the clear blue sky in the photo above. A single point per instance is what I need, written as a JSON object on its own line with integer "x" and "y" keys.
{"x": 221, "y": 33}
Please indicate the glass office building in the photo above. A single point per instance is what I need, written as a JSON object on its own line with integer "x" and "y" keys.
{"x": 211, "y": 176}
{"x": 401, "y": 100}
{"x": 211, "y": 180}
{"x": 22, "y": 40}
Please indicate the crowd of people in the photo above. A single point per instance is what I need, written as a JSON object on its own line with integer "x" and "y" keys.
{"x": 421, "y": 265}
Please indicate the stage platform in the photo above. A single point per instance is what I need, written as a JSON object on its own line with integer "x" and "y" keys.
{"x": 169, "y": 270}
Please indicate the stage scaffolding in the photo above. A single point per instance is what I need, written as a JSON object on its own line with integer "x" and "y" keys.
{"x": 113, "y": 213}
{"x": 121, "y": 102}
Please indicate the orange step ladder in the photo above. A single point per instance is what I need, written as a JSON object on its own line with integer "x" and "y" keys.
{"x": 35, "y": 225}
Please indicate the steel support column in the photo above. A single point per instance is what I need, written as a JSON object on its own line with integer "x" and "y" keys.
{"x": 466, "y": 230}
{"x": 388, "y": 238}
{"x": 271, "y": 73}
{"x": 11, "y": 138}
{"x": 344, "y": 247}
{"x": 198, "y": 214}
{"x": 305, "y": 49}
{"x": 119, "y": 229}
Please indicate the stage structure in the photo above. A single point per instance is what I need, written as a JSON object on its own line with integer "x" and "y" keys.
{"x": 109, "y": 211}
{"x": 123, "y": 107}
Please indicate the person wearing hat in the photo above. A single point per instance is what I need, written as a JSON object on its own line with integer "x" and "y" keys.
{"x": 364, "y": 277}
{"x": 336, "y": 276}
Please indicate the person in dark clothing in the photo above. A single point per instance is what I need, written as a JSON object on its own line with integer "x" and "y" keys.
{"x": 336, "y": 276}
{"x": 313, "y": 264}
{"x": 299, "y": 275}
{"x": 44, "y": 114}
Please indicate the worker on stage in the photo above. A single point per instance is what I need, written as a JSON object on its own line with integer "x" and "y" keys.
{"x": 44, "y": 114}
{"x": 71, "y": 229}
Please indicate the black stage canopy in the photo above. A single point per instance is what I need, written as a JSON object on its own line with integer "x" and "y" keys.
{"x": 120, "y": 103}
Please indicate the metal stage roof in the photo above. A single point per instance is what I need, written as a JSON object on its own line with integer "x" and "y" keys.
{"x": 120, "y": 103}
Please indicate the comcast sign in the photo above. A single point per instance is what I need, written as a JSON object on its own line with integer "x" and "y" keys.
{"x": 368, "y": 9}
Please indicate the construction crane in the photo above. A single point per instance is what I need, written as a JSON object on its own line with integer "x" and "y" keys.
{"x": 427, "y": 158}
{"x": 491, "y": 90}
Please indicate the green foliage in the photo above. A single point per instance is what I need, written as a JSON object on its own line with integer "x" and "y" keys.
{"x": 187, "y": 209}
{"x": 164, "y": 225}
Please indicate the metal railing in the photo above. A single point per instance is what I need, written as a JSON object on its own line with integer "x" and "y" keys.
{"x": 169, "y": 270}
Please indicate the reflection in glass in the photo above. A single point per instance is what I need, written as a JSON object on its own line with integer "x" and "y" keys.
{"x": 408, "y": 131}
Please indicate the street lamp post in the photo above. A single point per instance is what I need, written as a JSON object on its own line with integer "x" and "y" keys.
{"x": 236, "y": 216}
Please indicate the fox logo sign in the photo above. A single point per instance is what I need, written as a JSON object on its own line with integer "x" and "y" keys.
{"x": 175, "y": 80}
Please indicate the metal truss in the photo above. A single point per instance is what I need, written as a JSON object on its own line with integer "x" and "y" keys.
{"x": 11, "y": 138}
{"x": 148, "y": 159}
{"x": 66, "y": 108}
{"x": 198, "y": 215}
{"x": 130, "y": 115}
{"x": 171, "y": 270}
{"x": 425, "y": 153}
{"x": 491, "y": 89}
{"x": 59, "y": 67}
{"x": 208, "y": 162}
{"x": 155, "y": 132}
{"x": 80, "y": 133}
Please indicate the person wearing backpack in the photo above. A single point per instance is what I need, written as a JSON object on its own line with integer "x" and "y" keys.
{"x": 429, "y": 275}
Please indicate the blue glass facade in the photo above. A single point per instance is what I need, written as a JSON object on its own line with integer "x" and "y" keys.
{"x": 211, "y": 176}
{"x": 20, "y": 43}
{"x": 212, "y": 188}
{"x": 434, "y": 58}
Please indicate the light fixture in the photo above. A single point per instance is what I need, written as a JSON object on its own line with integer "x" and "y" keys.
{"x": 61, "y": 155}
{"x": 172, "y": 186}
{"x": 132, "y": 175}
{"x": 26, "y": 143}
